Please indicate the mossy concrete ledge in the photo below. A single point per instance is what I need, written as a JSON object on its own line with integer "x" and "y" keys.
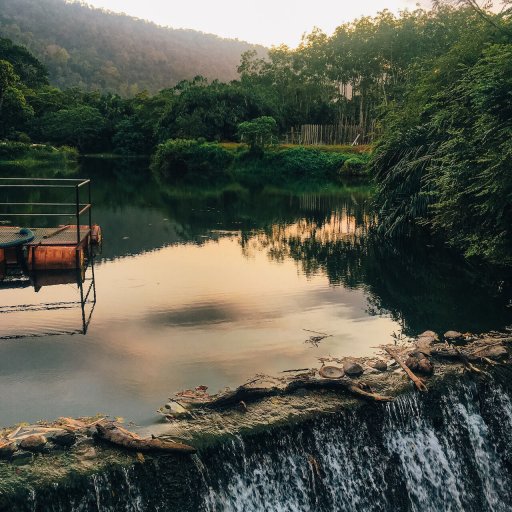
{"x": 68, "y": 471}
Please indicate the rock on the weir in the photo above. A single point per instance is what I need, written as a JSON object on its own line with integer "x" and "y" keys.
{"x": 175, "y": 409}
{"x": 34, "y": 443}
{"x": 7, "y": 449}
{"x": 493, "y": 352}
{"x": 380, "y": 365}
{"x": 453, "y": 335}
{"x": 353, "y": 369}
{"x": 426, "y": 339}
{"x": 64, "y": 438}
{"x": 429, "y": 334}
{"x": 418, "y": 362}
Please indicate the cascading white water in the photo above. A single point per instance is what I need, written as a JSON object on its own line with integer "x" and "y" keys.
{"x": 446, "y": 450}
{"x": 416, "y": 455}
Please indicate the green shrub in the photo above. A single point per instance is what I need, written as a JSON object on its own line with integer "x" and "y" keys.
{"x": 355, "y": 166}
{"x": 305, "y": 163}
{"x": 298, "y": 164}
{"x": 21, "y": 150}
{"x": 181, "y": 160}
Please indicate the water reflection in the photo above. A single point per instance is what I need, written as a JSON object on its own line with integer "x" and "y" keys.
{"x": 18, "y": 319}
{"x": 419, "y": 284}
{"x": 211, "y": 286}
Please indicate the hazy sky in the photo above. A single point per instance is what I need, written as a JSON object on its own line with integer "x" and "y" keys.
{"x": 257, "y": 21}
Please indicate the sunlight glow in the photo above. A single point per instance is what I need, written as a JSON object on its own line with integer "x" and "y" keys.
{"x": 267, "y": 22}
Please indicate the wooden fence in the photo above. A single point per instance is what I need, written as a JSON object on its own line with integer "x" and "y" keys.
{"x": 341, "y": 133}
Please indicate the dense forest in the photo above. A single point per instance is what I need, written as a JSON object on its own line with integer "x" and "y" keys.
{"x": 98, "y": 50}
{"x": 353, "y": 76}
{"x": 433, "y": 87}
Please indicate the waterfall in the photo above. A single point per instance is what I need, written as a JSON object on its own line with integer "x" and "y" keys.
{"x": 446, "y": 450}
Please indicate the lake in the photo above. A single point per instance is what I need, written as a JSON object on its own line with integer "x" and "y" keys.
{"x": 212, "y": 286}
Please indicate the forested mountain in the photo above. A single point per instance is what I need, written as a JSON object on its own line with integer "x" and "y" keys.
{"x": 95, "y": 49}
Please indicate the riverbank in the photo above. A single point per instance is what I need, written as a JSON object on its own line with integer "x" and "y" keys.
{"x": 179, "y": 161}
{"x": 270, "y": 411}
{"x": 21, "y": 159}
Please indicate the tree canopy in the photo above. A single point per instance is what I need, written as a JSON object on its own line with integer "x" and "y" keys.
{"x": 96, "y": 49}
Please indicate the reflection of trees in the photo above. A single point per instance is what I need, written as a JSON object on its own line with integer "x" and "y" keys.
{"x": 326, "y": 233}
{"x": 333, "y": 245}
{"x": 428, "y": 287}
{"x": 422, "y": 286}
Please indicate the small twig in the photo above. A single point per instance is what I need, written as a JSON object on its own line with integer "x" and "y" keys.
{"x": 296, "y": 370}
{"x": 13, "y": 434}
{"x": 252, "y": 381}
{"x": 56, "y": 232}
{"x": 317, "y": 332}
{"x": 465, "y": 361}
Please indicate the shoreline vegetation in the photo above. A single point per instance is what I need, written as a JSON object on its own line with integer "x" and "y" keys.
{"x": 179, "y": 161}
{"x": 24, "y": 153}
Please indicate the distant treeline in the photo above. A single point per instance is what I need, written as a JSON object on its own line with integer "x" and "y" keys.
{"x": 99, "y": 50}
{"x": 352, "y": 78}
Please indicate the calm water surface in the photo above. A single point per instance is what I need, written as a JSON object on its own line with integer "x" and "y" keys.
{"x": 200, "y": 287}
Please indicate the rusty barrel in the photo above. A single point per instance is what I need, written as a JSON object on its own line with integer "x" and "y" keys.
{"x": 55, "y": 257}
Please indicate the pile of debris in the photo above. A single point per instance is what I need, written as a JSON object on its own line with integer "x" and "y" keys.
{"x": 21, "y": 444}
{"x": 418, "y": 360}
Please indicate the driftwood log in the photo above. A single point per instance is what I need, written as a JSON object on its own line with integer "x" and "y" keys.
{"x": 420, "y": 385}
{"x": 114, "y": 434}
{"x": 249, "y": 394}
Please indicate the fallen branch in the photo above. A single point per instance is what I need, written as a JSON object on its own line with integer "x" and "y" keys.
{"x": 241, "y": 394}
{"x": 420, "y": 385}
{"x": 465, "y": 361}
{"x": 14, "y": 433}
{"x": 248, "y": 394}
{"x": 317, "y": 332}
{"x": 109, "y": 431}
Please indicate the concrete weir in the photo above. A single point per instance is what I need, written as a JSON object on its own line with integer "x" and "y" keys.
{"x": 296, "y": 447}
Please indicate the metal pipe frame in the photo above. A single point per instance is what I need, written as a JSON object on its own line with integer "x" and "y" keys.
{"x": 52, "y": 183}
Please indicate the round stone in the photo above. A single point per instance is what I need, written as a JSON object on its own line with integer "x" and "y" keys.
{"x": 353, "y": 369}
{"x": 429, "y": 334}
{"x": 7, "y": 449}
{"x": 331, "y": 372}
{"x": 453, "y": 335}
{"x": 64, "y": 438}
{"x": 33, "y": 443}
{"x": 380, "y": 365}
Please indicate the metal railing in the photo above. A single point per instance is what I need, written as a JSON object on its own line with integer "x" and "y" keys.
{"x": 27, "y": 184}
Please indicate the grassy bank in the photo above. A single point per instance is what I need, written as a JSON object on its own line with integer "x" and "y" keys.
{"x": 24, "y": 155}
{"x": 191, "y": 161}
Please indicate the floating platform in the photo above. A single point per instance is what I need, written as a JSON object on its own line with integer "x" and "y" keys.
{"x": 60, "y": 248}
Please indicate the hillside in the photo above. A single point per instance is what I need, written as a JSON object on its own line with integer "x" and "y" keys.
{"x": 96, "y": 49}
